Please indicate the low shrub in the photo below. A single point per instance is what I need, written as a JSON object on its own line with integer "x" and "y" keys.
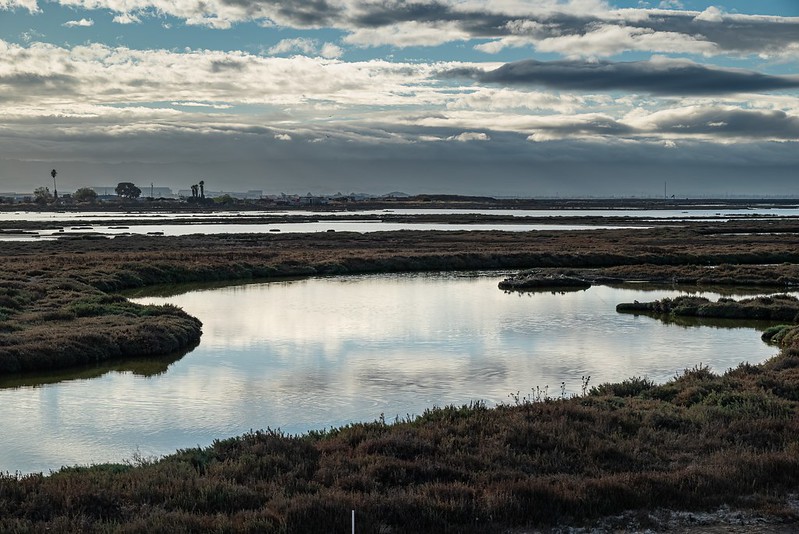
{"x": 630, "y": 387}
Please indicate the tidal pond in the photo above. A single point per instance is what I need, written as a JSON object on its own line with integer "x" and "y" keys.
{"x": 321, "y": 352}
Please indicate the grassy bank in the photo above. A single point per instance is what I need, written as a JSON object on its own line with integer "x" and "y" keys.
{"x": 52, "y": 323}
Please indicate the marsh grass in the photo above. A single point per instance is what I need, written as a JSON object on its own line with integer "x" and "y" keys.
{"x": 62, "y": 322}
{"x": 697, "y": 442}
{"x": 455, "y": 469}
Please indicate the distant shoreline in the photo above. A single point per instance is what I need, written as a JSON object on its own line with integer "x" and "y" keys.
{"x": 414, "y": 202}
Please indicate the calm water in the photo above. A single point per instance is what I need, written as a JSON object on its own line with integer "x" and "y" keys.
{"x": 321, "y": 352}
{"x": 635, "y": 213}
{"x": 317, "y": 226}
{"x": 94, "y": 221}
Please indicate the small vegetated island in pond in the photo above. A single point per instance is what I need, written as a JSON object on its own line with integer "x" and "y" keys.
{"x": 777, "y": 308}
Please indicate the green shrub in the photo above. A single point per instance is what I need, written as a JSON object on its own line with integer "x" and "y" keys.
{"x": 630, "y": 387}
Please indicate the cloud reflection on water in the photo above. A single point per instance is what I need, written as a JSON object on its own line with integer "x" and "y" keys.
{"x": 322, "y": 352}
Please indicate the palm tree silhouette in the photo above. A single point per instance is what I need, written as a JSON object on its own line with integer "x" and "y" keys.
{"x": 55, "y": 191}
{"x": 202, "y": 189}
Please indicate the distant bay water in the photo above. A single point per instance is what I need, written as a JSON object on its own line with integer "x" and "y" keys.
{"x": 181, "y": 223}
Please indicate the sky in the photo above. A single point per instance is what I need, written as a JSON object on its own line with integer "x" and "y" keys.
{"x": 478, "y": 97}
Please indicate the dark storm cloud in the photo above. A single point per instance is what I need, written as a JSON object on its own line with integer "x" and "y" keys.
{"x": 304, "y": 14}
{"x": 38, "y": 83}
{"x": 747, "y": 34}
{"x": 663, "y": 77}
{"x": 731, "y": 123}
{"x": 227, "y": 66}
{"x": 476, "y": 23}
{"x": 376, "y": 16}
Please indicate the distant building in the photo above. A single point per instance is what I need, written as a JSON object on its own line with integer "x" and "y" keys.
{"x": 157, "y": 192}
{"x": 252, "y": 194}
{"x": 16, "y": 197}
{"x": 311, "y": 200}
{"x": 104, "y": 190}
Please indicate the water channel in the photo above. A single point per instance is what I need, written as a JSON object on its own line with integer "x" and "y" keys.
{"x": 99, "y": 216}
{"x": 182, "y": 223}
{"x": 322, "y": 352}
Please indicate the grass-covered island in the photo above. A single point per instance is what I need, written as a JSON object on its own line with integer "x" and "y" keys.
{"x": 617, "y": 456}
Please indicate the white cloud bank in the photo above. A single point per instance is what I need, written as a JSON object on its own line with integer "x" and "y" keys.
{"x": 51, "y": 90}
{"x": 29, "y": 5}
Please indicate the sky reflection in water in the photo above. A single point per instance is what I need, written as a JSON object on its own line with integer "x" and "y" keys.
{"x": 323, "y": 352}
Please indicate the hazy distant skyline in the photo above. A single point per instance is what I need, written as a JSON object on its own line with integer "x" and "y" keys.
{"x": 504, "y": 97}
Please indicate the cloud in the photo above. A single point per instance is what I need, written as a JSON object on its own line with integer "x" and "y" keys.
{"x": 711, "y": 14}
{"x": 507, "y": 165}
{"x": 408, "y": 33}
{"x": 658, "y": 76}
{"x": 572, "y": 27}
{"x": 152, "y": 107}
{"x": 189, "y": 104}
{"x": 30, "y": 35}
{"x": 300, "y": 44}
{"x": 718, "y": 122}
{"x": 490, "y": 99}
{"x": 331, "y": 51}
{"x": 611, "y": 39}
{"x": 126, "y": 18}
{"x": 84, "y": 23}
{"x": 465, "y": 137}
{"x": 30, "y": 5}
{"x": 103, "y": 74}
{"x": 304, "y": 45}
